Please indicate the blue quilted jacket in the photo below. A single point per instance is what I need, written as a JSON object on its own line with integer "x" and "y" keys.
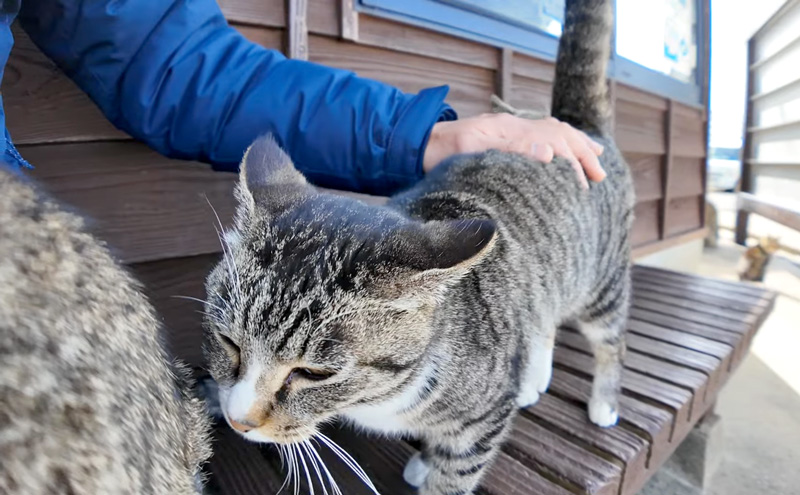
{"x": 173, "y": 74}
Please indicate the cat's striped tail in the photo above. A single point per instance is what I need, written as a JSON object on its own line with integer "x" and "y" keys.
{"x": 580, "y": 90}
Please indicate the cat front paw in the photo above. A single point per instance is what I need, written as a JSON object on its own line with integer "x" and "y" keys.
{"x": 527, "y": 398}
{"x": 602, "y": 413}
{"x": 416, "y": 471}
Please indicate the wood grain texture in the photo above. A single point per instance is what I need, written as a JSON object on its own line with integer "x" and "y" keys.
{"x": 639, "y": 128}
{"x": 505, "y": 74}
{"x": 534, "y": 68}
{"x": 348, "y": 20}
{"x": 645, "y": 223}
{"x": 297, "y": 29}
{"x": 647, "y": 176}
{"x": 530, "y": 94}
{"x": 687, "y": 177}
{"x": 684, "y": 215}
{"x": 383, "y": 33}
{"x": 470, "y": 87}
{"x": 42, "y": 105}
{"x": 269, "y": 13}
{"x": 689, "y": 133}
{"x": 145, "y": 206}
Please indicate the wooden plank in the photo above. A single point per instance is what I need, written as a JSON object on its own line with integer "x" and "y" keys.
{"x": 508, "y": 476}
{"x": 768, "y": 209}
{"x": 645, "y": 223}
{"x": 470, "y": 87}
{"x": 672, "y": 398}
{"x": 684, "y": 215}
{"x": 569, "y": 420}
{"x": 42, "y": 105}
{"x": 641, "y": 417}
{"x": 269, "y": 13}
{"x": 145, "y": 206}
{"x": 238, "y": 466}
{"x": 696, "y": 383}
{"x": 504, "y": 74}
{"x": 534, "y": 68}
{"x": 687, "y": 177}
{"x": 348, "y": 20}
{"x": 736, "y": 307}
{"x": 297, "y": 29}
{"x": 658, "y": 245}
{"x": 666, "y": 281}
{"x": 700, "y": 281}
{"x": 383, "y": 33}
{"x": 690, "y": 134}
{"x": 746, "y": 182}
{"x": 531, "y": 94}
{"x": 639, "y": 128}
{"x": 325, "y": 17}
{"x": 575, "y": 468}
{"x": 164, "y": 281}
{"x": 647, "y": 176}
{"x": 720, "y": 351}
{"x": 274, "y": 39}
{"x": 686, "y": 312}
{"x": 635, "y": 95}
{"x": 669, "y": 155}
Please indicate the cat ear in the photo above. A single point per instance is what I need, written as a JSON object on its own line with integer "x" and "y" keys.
{"x": 268, "y": 178}
{"x": 433, "y": 256}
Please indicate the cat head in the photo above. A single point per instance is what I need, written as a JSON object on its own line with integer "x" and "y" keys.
{"x": 322, "y": 303}
{"x": 770, "y": 244}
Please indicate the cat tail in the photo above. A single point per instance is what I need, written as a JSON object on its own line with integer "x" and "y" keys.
{"x": 580, "y": 90}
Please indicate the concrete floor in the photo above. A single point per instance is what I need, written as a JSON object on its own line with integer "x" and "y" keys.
{"x": 760, "y": 406}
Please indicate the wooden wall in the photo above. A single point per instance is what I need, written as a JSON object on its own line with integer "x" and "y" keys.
{"x": 154, "y": 211}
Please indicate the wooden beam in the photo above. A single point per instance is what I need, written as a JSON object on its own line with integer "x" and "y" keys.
{"x": 656, "y": 246}
{"x": 768, "y": 209}
{"x": 746, "y": 182}
{"x": 504, "y": 74}
{"x": 348, "y": 20}
{"x": 297, "y": 29}
{"x": 669, "y": 132}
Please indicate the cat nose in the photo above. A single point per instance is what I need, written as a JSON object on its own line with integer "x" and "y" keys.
{"x": 242, "y": 427}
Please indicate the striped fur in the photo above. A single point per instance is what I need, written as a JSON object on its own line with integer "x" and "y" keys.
{"x": 434, "y": 316}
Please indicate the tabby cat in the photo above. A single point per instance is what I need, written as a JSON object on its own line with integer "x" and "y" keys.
{"x": 89, "y": 402}
{"x": 433, "y": 316}
{"x": 756, "y": 259}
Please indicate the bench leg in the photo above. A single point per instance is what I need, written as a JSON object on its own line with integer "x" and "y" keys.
{"x": 690, "y": 469}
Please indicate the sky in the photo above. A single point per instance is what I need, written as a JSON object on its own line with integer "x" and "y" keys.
{"x": 732, "y": 24}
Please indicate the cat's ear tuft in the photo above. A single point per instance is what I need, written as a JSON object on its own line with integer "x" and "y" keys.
{"x": 267, "y": 176}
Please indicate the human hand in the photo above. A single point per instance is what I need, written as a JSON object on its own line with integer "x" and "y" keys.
{"x": 539, "y": 139}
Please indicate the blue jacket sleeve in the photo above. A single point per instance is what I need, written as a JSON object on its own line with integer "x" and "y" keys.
{"x": 173, "y": 74}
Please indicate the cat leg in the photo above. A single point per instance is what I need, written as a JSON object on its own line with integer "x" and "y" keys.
{"x": 607, "y": 339}
{"x": 455, "y": 462}
{"x": 539, "y": 368}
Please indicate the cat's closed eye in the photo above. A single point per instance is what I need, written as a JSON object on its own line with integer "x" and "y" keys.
{"x": 309, "y": 374}
{"x": 233, "y": 351}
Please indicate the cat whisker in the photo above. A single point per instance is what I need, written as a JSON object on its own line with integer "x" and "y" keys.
{"x": 285, "y": 456}
{"x": 348, "y": 459}
{"x": 334, "y": 486}
{"x": 305, "y": 467}
{"x": 226, "y": 249}
{"x": 313, "y": 461}
{"x": 196, "y": 299}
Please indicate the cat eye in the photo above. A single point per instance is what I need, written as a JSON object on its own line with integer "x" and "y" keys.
{"x": 233, "y": 351}
{"x": 309, "y": 374}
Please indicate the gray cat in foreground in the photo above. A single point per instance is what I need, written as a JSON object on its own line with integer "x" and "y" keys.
{"x": 434, "y": 316}
{"x": 89, "y": 401}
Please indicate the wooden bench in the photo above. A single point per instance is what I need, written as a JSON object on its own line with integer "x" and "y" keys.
{"x": 686, "y": 336}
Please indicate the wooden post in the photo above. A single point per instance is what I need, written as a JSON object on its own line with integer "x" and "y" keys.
{"x": 297, "y": 29}
{"x": 504, "y": 77}
{"x": 706, "y": 94}
{"x": 669, "y": 123}
{"x": 746, "y": 178}
{"x": 348, "y": 20}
